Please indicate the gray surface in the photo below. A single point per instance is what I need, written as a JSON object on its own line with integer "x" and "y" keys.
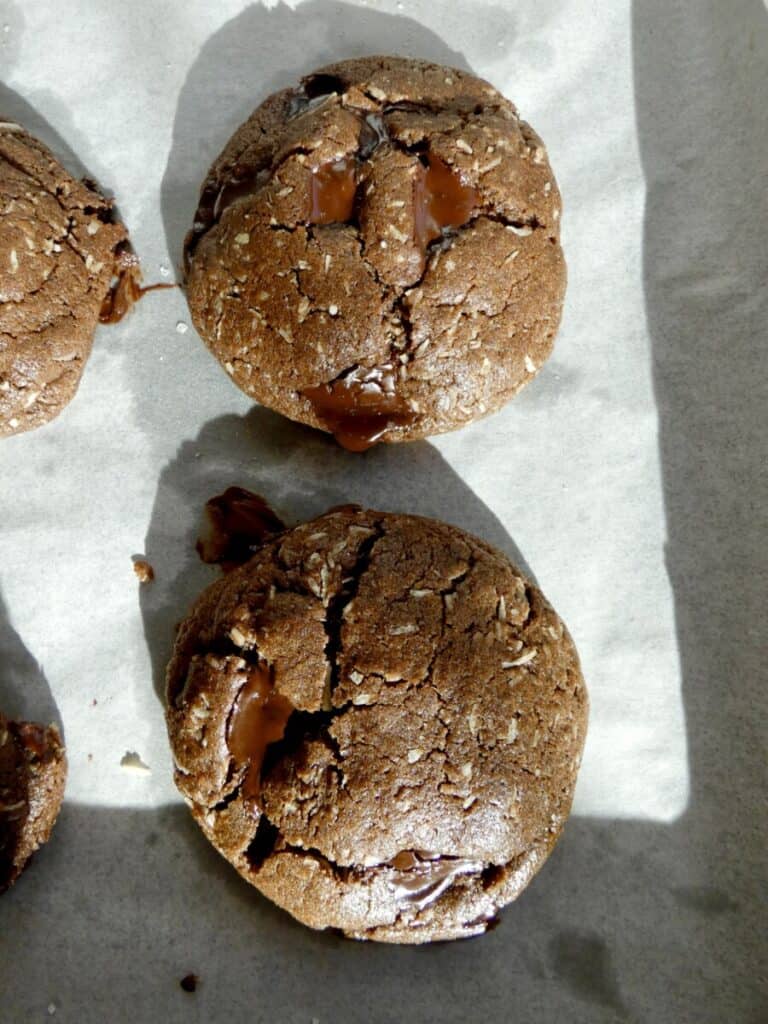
{"x": 631, "y": 920}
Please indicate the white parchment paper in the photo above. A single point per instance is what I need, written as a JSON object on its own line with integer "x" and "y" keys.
{"x": 621, "y": 478}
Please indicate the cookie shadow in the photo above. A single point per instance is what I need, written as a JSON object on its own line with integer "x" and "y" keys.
{"x": 24, "y": 690}
{"x": 131, "y": 862}
{"x": 301, "y": 473}
{"x": 281, "y": 44}
{"x": 704, "y": 268}
{"x": 157, "y": 891}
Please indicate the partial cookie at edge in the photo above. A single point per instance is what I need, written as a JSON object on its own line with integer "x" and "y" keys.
{"x": 33, "y": 771}
{"x": 59, "y": 252}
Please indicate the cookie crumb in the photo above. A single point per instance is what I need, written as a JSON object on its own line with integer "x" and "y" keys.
{"x": 144, "y": 571}
{"x": 189, "y": 982}
{"x": 132, "y": 762}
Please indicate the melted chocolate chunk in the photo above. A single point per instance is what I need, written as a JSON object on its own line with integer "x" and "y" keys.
{"x": 259, "y": 718}
{"x": 126, "y": 291}
{"x": 357, "y": 409}
{"x": 237, "y": 522}
{"x": 237, "y": 190}
{"x": 300, "y": 103}
{"x": 441, "y": 200}
{"x": 33, "y": 738}
{"x": 332, "y": 192}
{"x": 406, "y": 860}
{"x": 215, "y": 200}
{"x": 373, "y": 133}
{"x": 421, "y": 878}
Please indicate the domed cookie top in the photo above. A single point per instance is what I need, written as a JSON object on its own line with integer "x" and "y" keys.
{"x": 59, "y": 251}
{"x": 378, "y": 720}
{"x": 376, "y": 253}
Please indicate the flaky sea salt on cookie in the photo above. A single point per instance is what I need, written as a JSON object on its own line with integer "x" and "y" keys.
{"x": 378, "y": 720}
{"x": 376, "y": 253}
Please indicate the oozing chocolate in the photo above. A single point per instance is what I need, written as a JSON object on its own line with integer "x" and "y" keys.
{"x": 237, "y": 522}
{"x": 259, "y": 718}
{"x": 421, "y": 878}
{"x": 332, "y": 192}
{"x": 301, "y": 102}
{"x": 357, "y": 409}
{"x": 440, "y": 199}
{"x": 126, "y": 291}
{"x": 373, "y": 132}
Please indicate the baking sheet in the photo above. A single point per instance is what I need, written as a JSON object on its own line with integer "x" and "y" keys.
{"x": 629, "y": 477}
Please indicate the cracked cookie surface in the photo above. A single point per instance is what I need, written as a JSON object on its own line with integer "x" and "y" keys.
{"x": 376, "y": 253}
{"x": 378, "y": 720}
{"x": 33, "y": 771}
{"x": 59, "y": 251}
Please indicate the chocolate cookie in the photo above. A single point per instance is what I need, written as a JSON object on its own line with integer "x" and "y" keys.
{"x": 33, "y": 770}
{"x": 59, "y": 252}
{"x": 378, "y": 721}
{"x": 376, "y": 253}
